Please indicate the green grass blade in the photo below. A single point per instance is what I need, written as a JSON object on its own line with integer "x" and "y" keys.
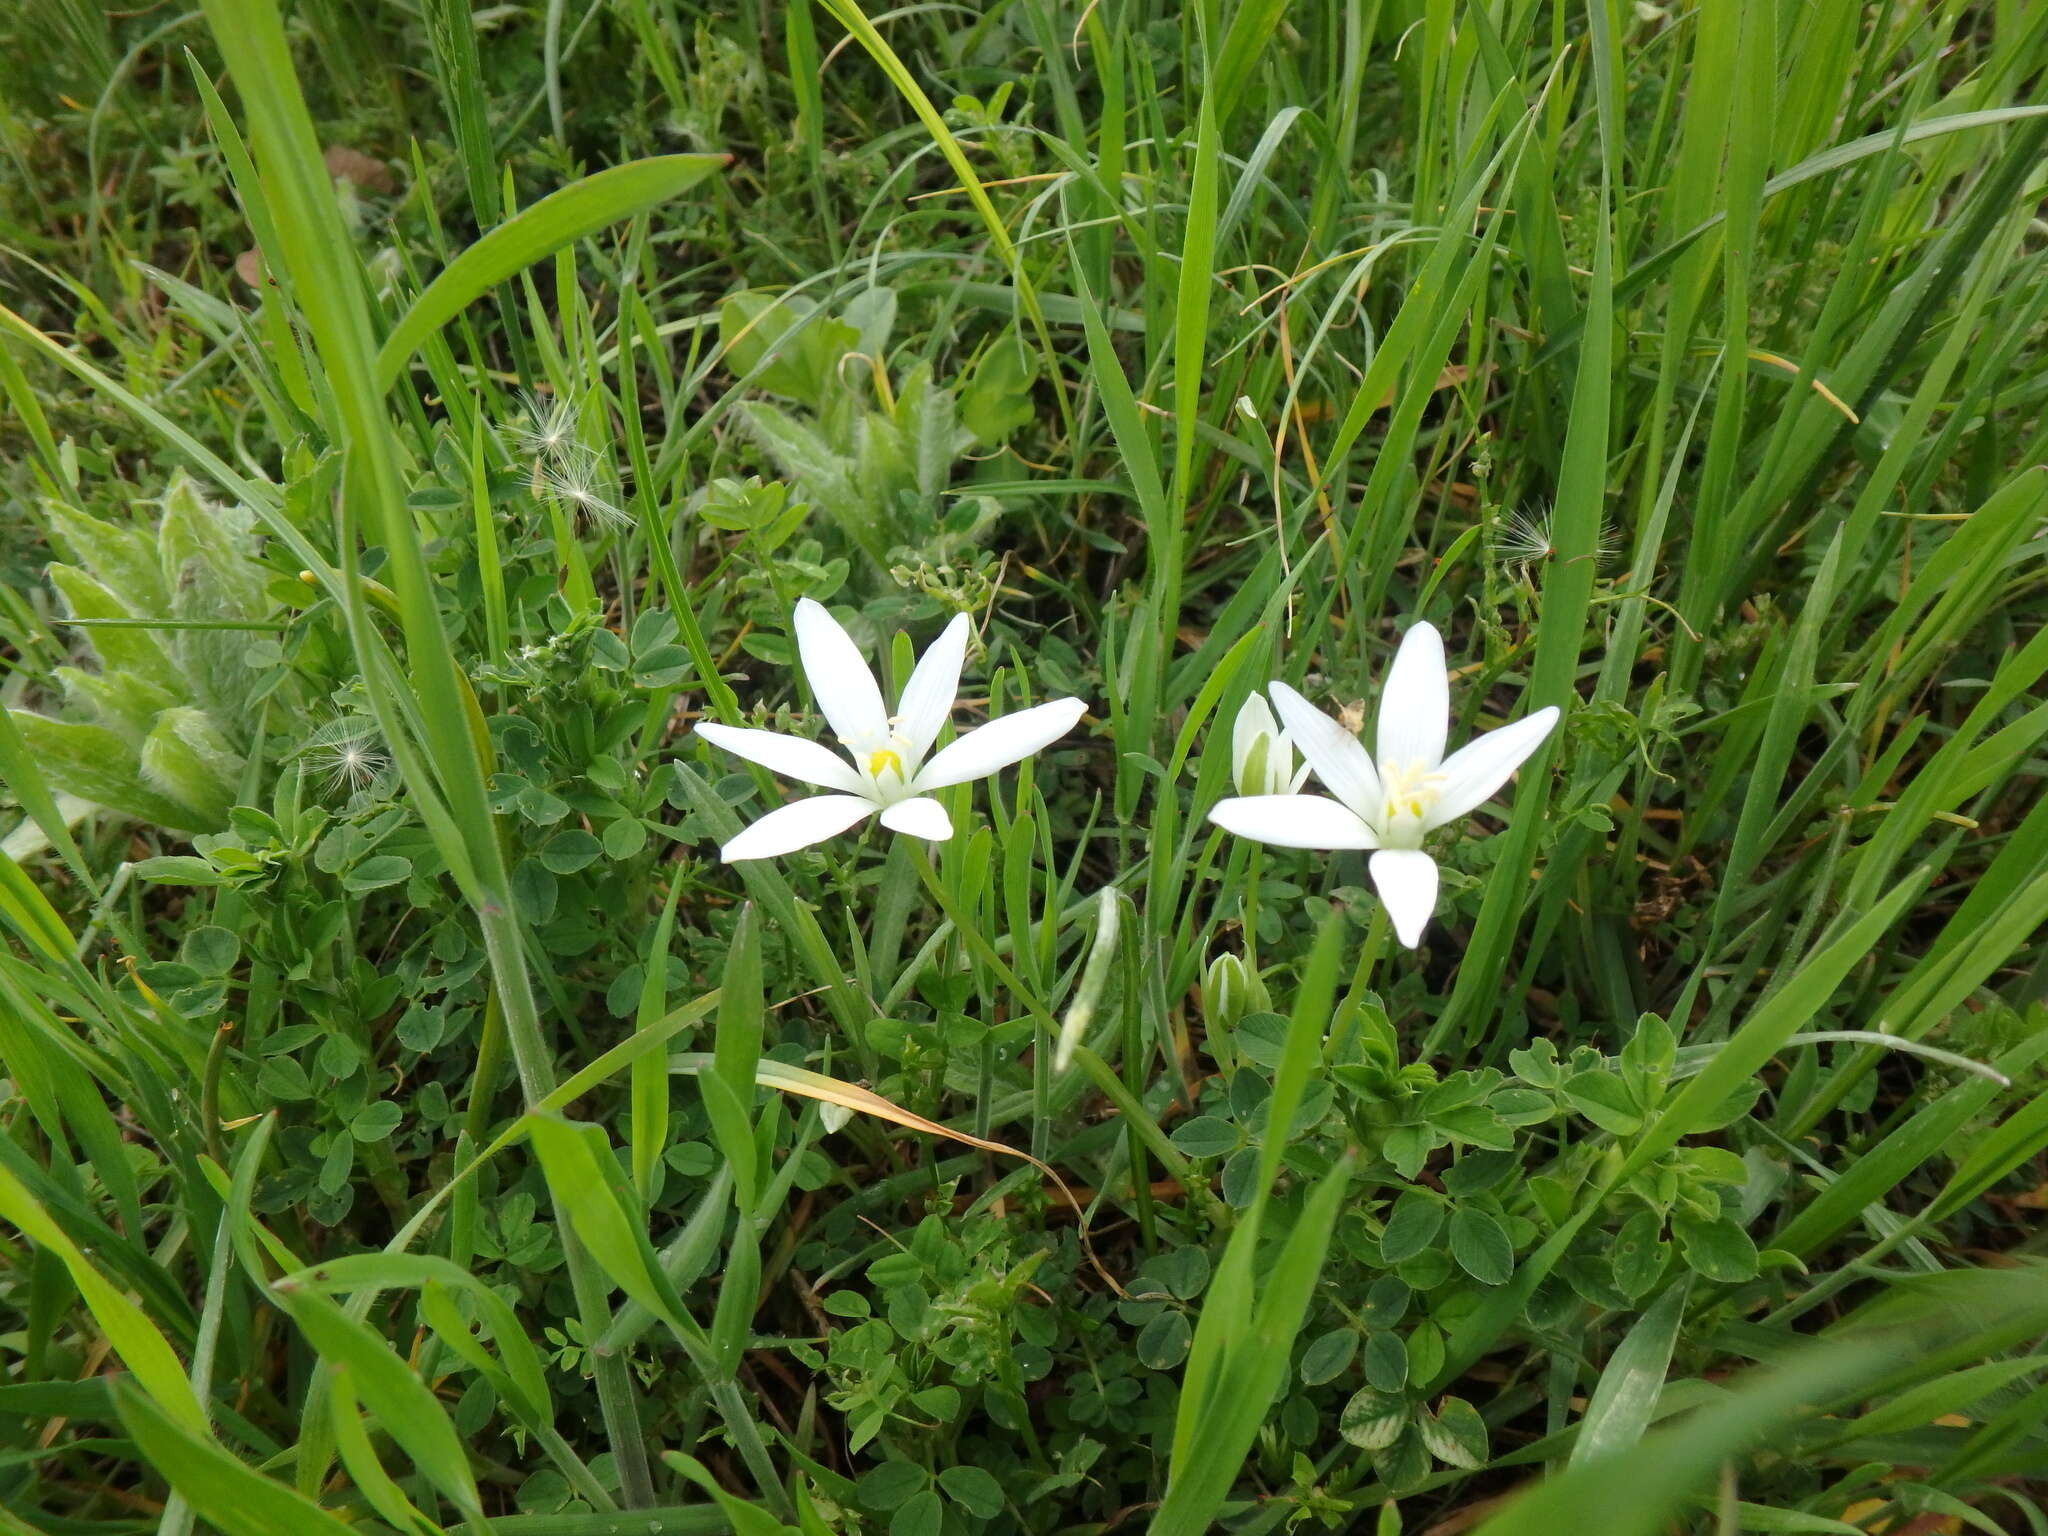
{"x": 1625, "y": 1401}
{"x": 140, "y": 1344}
{"x": 557, "y": 220}
{"x": 225, "y": 1493}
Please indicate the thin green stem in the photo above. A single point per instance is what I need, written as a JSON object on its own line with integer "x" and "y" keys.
{"x": 574, "y": 1468}
{"x": 533, "y": 1061}
{"x": 1134, "y": 1137}
{"x": 1361, "y": 979}
{"x": 1254, "y": 862}
{"x": 209, "y": 1093}
{"x": 490, "y": 1056}
{"x": 1041, "y": 1102}
{"x": 983, "y": 949}
{"x": 985, "y": 1081}
{"x": 746, "y": 1435}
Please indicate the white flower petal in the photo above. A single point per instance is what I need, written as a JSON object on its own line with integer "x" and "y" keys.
{"x": 1338, "y": 757}
{"x": 1294, "y": 821}
{"x": 840, "y": 680}
{"x": 1415, "y": 705}
{"x": 1483, "y": 764}
{"x": 1406, "y": 881}
{"x": 922, "y": 817}
{"x": 791, "y": 756}
{"x": 797, "y": 825}
{"x": 1003, "y": 741}
{"x": 928, "y": 696}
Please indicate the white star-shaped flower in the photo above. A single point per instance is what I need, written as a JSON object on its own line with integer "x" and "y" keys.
{"x": 1389, "y": 804}
{"x": 885, "y": 769}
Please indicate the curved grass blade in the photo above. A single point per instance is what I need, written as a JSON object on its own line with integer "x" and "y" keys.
{"x": 226, "y": 1494}
{"x": 141, "y": 1346}
{"x": 559, "y": 219}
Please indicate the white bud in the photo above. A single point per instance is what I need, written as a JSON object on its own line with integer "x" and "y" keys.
{"x": 1261, "y": 754}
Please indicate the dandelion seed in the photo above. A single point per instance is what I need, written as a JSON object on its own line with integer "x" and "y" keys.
{"x": 547, "y": 429}
{"x": 346, "y": 755}
{"x": 1524, "y": 539}
{"x": 580, "y": 482}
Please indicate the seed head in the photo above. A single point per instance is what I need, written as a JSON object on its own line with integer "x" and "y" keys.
{"x": 582, "y": 483}
{"x": 1525, "y": 539}
{"x": 346, "y": 754}
{"x": 545, "y": 428}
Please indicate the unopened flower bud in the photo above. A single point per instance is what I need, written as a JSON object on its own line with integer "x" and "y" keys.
{"x": 1230, "y": 990}
{"x": 1261, "y": 754}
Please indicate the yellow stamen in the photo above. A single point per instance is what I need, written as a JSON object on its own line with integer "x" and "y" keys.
{"x": 1411, "y": 790}
{"x": 885, "y": 758}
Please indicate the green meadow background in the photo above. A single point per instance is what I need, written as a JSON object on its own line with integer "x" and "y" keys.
{"x": 416, "y": 416}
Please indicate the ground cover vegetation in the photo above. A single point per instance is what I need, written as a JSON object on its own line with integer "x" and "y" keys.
{"x": 470, "y": 470}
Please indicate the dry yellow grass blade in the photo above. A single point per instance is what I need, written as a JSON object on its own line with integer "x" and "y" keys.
{"x": 850, "y": 1096}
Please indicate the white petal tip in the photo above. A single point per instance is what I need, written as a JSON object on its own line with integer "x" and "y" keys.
{"x": 922, "y": 817}
{"x": 1407, "y": 882}
{"x": 797, "y": 825}
{"x": 1000, "y": 742}
{"x": 1294, "y": 821}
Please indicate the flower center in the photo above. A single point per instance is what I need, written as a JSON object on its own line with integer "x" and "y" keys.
{"x": 888, "y": 763}
{"x": 1412, "y": 789}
